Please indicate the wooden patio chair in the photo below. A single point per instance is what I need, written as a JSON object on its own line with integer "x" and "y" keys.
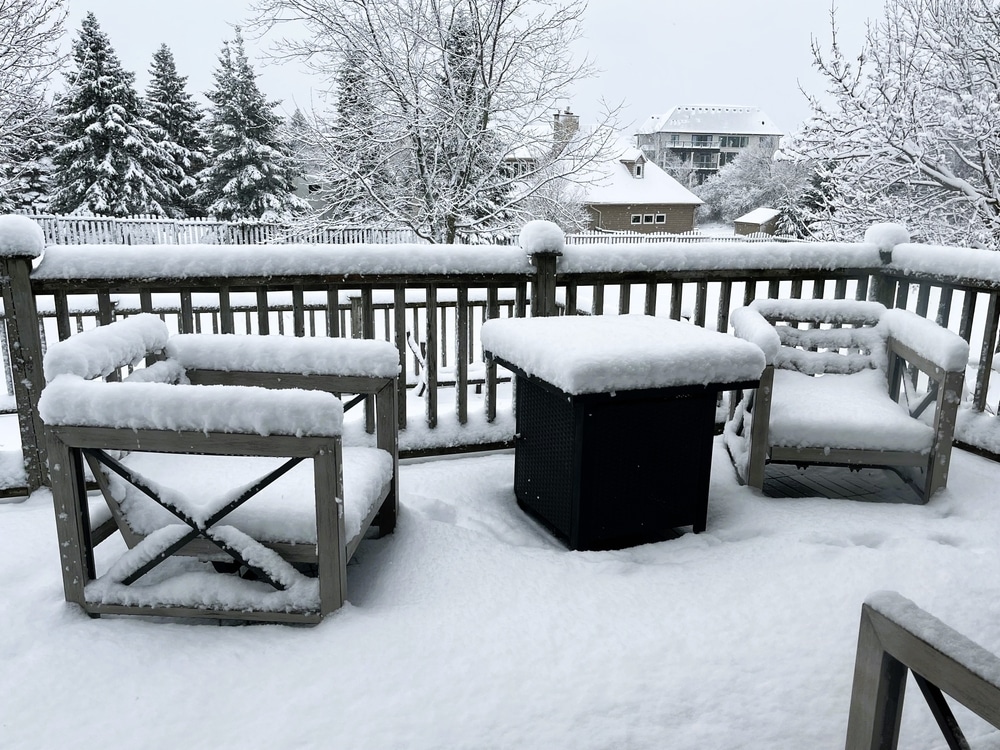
{"x": 167, "y": 443}
{"x": 848, "y": 384}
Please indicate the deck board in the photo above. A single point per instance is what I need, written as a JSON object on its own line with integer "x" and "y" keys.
{"x": 881, "y": 485}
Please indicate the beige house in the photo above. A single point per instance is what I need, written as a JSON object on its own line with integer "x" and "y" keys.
{"x": 705, "y": 137}
{"x": 630, "y": 193}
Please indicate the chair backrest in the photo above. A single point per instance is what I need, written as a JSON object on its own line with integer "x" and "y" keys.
{"x": 824, "y": 336}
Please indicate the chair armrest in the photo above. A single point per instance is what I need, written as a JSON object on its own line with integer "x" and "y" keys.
{"x": 927, "y": 341}
{"x": 750, "y": 325}
{"x": 71, "y": 400}
{"x": 102, "y": 350}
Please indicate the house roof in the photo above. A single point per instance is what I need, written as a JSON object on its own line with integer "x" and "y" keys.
{"x": 759, "y": 216}
{"x": 611, "y": 182}
{"x": 712, "y": 118}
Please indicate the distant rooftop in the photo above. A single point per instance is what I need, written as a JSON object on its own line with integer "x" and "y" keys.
{"x": 712, "y": 118}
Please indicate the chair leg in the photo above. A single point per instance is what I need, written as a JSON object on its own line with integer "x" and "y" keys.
{"x": 331, "y": 550}
{"x": 69, "y": 500}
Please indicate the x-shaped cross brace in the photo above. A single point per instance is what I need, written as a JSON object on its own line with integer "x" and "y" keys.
{"x": 202, "y": 529}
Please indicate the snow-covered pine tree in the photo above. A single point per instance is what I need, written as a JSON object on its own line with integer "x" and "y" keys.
{"x": 251, "y": 175}
{"x": 178, "y": 120}
{"x": 108, "y": 162}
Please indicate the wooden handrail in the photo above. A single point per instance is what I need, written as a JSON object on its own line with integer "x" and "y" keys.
{"x": 896, "y": 636}
{"x": 701, "y": 283}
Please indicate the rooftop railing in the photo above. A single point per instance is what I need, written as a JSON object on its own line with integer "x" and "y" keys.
{"x": 430, "y": 301}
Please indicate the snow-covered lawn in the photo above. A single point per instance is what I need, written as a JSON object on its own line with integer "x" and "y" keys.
{"x": 471, "y": 628}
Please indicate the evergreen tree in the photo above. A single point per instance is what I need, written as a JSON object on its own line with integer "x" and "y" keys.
{"x": 251, "y": 175}
{"x": 178, "y": 121}
{"x": 108, "y": 162}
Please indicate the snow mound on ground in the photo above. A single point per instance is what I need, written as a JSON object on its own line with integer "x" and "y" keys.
{"x": 540, "y": 236}
{"x": 20, "y": 237}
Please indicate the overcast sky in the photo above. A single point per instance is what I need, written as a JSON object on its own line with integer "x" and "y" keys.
{"x": 653, "y": 54}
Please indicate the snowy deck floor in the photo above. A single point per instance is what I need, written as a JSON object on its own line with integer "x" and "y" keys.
{"x": 835, "y": 482}
{"x": 470, "y": 627}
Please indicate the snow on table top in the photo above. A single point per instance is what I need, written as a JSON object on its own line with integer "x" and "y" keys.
{"x": 194, "y": 261}
{"x": 71, "y": 400}
{"x": 601, "y": 354}
{"x": 100, "y": 351}
{"x": 285, "y": 354}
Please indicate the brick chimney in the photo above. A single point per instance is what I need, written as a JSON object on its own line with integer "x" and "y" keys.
{"x": 564, "y": 127}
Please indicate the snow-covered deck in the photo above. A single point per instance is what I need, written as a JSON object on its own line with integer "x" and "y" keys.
{"x": 471, "y": 627}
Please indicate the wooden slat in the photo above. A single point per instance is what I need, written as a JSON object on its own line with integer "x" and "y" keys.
{"x": 263, "y": 312}
{"x": 986, "y": 352}
{"x": 649, "y": 305}
{"x": 399, "y": 326}
{"x": 185, "y": 323}
{"x": 298, "y": 311}
{"x": 226, "y": 323}
{"x": 462, "y": 354}
{"x": 492, "y": 311}
{"x": 430, "y": 358}
{"x": 725, "y": 301}
{"x": 700, "y": 304}
{"x": 676, "y": 293}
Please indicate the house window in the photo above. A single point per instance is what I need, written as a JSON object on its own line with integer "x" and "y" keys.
{"x": 734, "y": 141}
{"x": 647, "y": 218}
{"x": 701, "y": 141}
{"x": 638, "y": 170}
{"x": 661, "y": 218}
{"x": 705, "y": 161}
{"x": 636, "y": 219}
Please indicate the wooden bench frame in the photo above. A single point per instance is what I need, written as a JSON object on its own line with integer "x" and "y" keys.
{"x": 902, "y": 362}
{"x": 71, "y": 446}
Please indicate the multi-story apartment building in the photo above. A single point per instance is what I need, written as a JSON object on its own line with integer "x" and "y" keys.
{"x": 705, "y": 137}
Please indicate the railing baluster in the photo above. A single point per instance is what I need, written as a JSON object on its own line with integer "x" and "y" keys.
{"x": 430, "y": 357}
{"x": 701, "y": 292}
{"x": 263, "y": 312}
{"x": 462, "y": 354}
{"x": 298, "y": 311}
{"x": 226, "y": 311}
{"x": 399, "y": 315}
{"x": 649, "y": 306}
{"x": 676, "y": 292}
{"x": 725, "y": 300}
{"x": 492, "y": 311}
{"x": 986, "y": 353}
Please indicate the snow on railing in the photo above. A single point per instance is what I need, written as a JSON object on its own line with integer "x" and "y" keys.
{"x": 438, "y": 297}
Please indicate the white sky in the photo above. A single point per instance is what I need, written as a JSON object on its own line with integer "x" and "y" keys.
{"x": 652, "y": 54}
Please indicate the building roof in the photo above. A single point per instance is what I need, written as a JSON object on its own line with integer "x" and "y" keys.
{"x": 759, "y": 216}
{"x": 724, "y": 119}
{"x": 611, "y": 182}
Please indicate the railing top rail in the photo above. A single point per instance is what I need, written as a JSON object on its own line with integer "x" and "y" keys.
{"x": 80, "y": 266}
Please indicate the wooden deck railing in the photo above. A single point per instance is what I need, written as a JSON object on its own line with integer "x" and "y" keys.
{"x": 431, "y": 300}
{"x": 895, "y": 637}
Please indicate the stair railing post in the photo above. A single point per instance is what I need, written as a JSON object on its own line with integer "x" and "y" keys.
{"x": 21, "y": 241}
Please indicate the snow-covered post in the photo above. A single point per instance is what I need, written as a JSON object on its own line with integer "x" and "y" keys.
{"x": 21, "y": 241}
{"x": 885, "y": 237}
{"x": 543, "y": 241}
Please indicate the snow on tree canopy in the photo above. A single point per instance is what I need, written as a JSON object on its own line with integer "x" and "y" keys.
{"x": 71, "y": 400}
{"x": 20, "y": 237}
{"x": 602, "y": 354}
{"x": 100, "y": 351}
{"x": 541, "y": 236}
{"x": 886, "y": 236}
{"x": 286, "y": 354}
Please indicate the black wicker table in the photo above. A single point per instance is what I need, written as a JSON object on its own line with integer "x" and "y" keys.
{"x": 615, "y": 421}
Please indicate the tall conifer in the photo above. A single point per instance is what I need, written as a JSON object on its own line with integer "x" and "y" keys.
{"x": 251, "y": 175}
{"x": 107, "y": 162}
{"x": 178, "y": 120}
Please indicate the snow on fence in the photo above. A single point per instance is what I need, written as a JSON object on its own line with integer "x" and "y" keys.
{"x": 431, "y": 301}
{"x": 633, "y": 238}
{"x": 151, "y": 230}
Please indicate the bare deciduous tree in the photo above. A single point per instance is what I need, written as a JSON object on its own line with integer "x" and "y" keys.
{"x": 453, "y": 91}
{"x": 912, "y": 126}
